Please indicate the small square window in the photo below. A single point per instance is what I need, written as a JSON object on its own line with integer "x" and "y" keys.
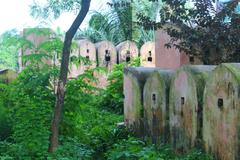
{"x": 149, "y": 59}
{"x": 191, "y": 59}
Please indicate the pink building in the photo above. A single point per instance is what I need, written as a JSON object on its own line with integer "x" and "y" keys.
{"x": 170, "y": 58}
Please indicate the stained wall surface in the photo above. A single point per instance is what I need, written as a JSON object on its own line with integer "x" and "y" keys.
{"x": 185, "y": 106}
{"x": 221, "y": 112}
{"x": 147, "y": 54}
{"x": 170, "y": 58}
{"x": 6, "y": 75}
{"x": 87, "y": 50}
{"x": 107, "y": 54}
{"x": 36, "y": 36}
{"x": 127, "y": 50}
{"x": 155, "y": 100}
{"x": 134, "y": 80}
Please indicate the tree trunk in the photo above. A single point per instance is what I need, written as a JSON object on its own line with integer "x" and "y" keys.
{"x": 63, "y": 74}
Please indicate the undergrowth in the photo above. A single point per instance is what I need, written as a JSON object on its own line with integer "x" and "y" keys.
{"x": 89, "y": 124}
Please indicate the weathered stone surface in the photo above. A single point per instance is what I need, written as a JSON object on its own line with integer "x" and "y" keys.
{"x": 155, "y": 100}
{"x": 107, "y": 54}
{"x": 185, "y": 105}
{"x": 36, "y": 36}
{"x": 221, "y": 130}
{"x": 134, "y": 80}
{"x": 127, "y": 51}
{"x": 87, "y": 50}
{"x": 147, "y": 53}
{"x": 170, "y": 58}
{"x": 6, "y": 75}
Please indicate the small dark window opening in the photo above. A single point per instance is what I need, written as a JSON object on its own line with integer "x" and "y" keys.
{"x": 220, "y": 103}
{"x": 181, "y": 113}
{"x": 107, "y": 56}
{"x": 87, "y": 57}
{"x": 191, "y": 59}
{"x": 128, "y": 56}
{"x": 154, "y": 98}
{"x": 230, "y": 89}
{"x": 182, "y": 100}
{"x": 150, "y": 56}
{"x": 238, "y": 91}
{"x": 87, "y": 50}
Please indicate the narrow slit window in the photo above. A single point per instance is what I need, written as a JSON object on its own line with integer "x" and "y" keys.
{"x": 230, "y": 89}
{"x": 87, "y": 57}
{"x": 154, "y": 98}
{"x": 182, "y": 100}
{"x": 238, "y": 91}
{"x": 87, "y": 50}
{"x": 220, "y": 103}
{"x": 107, "y": 56}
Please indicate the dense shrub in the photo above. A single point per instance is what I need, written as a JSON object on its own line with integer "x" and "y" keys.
{"x": 135, "y": 149}
{"x": 5, "y": 126}
{"x": 112, "y": 97}
{"x": 32, "y": 100}
{"x": 71, "y": 149}
{"x": 88, "y": 130}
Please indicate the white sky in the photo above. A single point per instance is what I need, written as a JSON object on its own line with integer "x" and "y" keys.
{"x": 15, "y": 14}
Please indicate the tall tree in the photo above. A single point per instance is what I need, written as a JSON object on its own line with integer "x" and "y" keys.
{"x": 203, "y": 31}
{"x": 119, "y": 22}
{"x": 57, "y": 7}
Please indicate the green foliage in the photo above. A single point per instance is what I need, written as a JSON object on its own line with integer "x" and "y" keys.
{"x": 12, "y": 41}
{"x": 5, "y": 126}
{"x": 54, "y": 8}
{"x": 118, "y": 23}
{"x": 71, "y": 149}
{"x": 198, "y": 29}
{"x": 135, "y": 149}
{"x": 112, "y": 97}
{"x": 32, "y": 101}
{"x": 79, "y": 92}
{"x": 9, "y": 53}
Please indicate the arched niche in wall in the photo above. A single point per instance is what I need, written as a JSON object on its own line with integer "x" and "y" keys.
{"x": 127, "y": 51}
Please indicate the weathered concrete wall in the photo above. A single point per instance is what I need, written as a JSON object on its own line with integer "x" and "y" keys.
{"x": 36, "y": 38}
{"x": 155, "y": 100}
{"x": 107, "y": 54}
{"x": 168, "y": 57}
{"x": 127, "y": 51}
{"x": 185, "y": 106}
{"x": 106, "y": 57}
{"x": 85, "y": 49}
{"x": 147, "y": 55}
{"x": 221, "y": 130}
{"x": 134, "y": 80}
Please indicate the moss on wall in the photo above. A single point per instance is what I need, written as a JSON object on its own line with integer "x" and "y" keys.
{"x": 134, "y": 80}
{"x": 155, "y": 97}
{"x": 185, "y": 106}
{"x": 220, "y": 112}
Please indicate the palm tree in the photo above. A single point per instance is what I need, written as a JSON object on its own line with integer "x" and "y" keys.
{"x": 119, "y": 23}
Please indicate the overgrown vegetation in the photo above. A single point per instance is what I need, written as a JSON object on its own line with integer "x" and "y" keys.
{"x": 88, "y": 129}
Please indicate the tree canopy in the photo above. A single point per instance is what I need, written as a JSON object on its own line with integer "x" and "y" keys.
{"x": 203, "y": 31}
